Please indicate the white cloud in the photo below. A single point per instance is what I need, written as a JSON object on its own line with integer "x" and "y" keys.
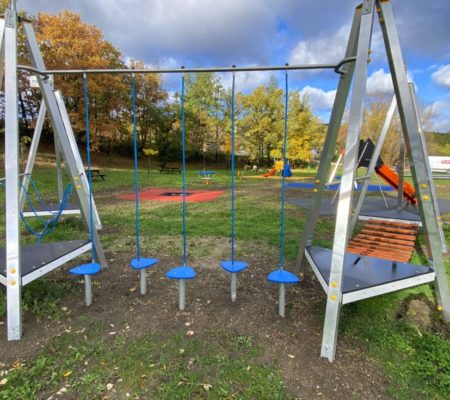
{"x": 322, "y": 49}
{"x": 246, "y": 81}
{"x": 318, "y": 98}
{"x": 379, "y": 83}
{"x": 442, "y": 76}
{"x": 439, "y": 111}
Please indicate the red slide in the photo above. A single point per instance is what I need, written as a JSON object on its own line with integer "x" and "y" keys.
{"x": 392, "y": 179}
{"x": 271, "y": 172}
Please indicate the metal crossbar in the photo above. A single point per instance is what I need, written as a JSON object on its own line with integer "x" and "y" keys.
{"x": 337, "y": 67}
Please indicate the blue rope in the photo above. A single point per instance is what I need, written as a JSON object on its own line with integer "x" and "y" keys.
{"x": 37, "y": 194}
{"x": 49, "y": 224}
{"x": 183, "y": 145}
{"x": 286, "y": 110}
{"x": 136, "y": 177}
{"x": 232, "y": 167}
{"x": 88, "y": 154}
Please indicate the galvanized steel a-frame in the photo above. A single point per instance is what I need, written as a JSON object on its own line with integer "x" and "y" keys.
{"x": 66, "y": 147}
{"x": 359, "y": 46}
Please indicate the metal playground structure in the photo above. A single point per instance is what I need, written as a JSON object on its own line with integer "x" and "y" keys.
{"x": 345, "y": 276}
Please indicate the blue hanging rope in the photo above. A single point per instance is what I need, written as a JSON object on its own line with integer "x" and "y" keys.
{"x": 232, "y": 167}
{"x": 49, "y": 225}
{"x": 136, "y": 177}
{"x": 183, "y": 149}
{"x": 286, "y": 110}
{"x": 88, "y": 154}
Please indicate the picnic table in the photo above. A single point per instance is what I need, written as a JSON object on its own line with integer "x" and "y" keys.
{"x": 96, "y": 173}
{"x": 169, "y": 170}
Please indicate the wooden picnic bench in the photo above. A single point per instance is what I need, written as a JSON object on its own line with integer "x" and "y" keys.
{"x": 169, "y": 170}
{"x": 96, "y": 173}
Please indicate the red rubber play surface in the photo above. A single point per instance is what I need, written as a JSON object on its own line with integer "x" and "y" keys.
{"x": 174, "y": 195}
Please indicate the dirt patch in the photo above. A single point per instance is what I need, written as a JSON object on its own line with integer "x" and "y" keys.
{"x": 291, "y": 344}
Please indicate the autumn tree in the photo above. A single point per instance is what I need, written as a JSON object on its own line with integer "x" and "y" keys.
{"x": 305, "y": 132}
{"x": 261, "y": 121}
{"x": 204, "y": 107}
{"x": 150, "y": 106}
{"x": 68, "y": 43}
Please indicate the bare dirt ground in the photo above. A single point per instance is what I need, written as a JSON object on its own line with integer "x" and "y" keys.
{"x": 292, "y": 344}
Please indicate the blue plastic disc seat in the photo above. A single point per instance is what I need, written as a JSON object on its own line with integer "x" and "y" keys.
{"x": 184, "y": 272}
{"x": 142, "y": 262}
{"x": 233, "y": 266}
{"x": 86, "y": 269}
{"x": 282, "y": 276}
{"x": 206, "y": 172}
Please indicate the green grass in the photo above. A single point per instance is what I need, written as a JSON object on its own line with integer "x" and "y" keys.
{"x": 416, "y": 362}
{"x": 176, "y": 367}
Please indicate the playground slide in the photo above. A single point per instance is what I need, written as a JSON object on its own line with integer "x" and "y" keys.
{"x": 270, "y": 172}
{"x": 392, "y": 179}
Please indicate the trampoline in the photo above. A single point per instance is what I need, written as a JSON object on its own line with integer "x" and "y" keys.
{"x": 374, "y": 207}
{"x": 334, "y": 187}
{"x": 174, "y": 195}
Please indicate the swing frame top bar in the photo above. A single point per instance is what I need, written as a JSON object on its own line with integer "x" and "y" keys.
{"x": 336, "y": 67}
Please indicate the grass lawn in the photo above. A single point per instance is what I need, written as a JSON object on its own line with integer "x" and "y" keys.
{"x": 94, "y": 354}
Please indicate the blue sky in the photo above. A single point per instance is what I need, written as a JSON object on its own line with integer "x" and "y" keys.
{"x": 257, "y": 32}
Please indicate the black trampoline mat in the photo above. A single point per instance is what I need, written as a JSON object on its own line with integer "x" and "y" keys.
{"x": 36, "y": 256}
{"x": 374, "y": 205}
{"x": 367, "y": 272}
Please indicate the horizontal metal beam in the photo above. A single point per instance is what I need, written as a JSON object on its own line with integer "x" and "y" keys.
{"x": 336, "y": 67}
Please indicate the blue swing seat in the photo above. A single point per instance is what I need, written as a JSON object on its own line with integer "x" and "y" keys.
{"x": 142, "y": 262}
{"x": 183, "y": 272}
{"x": 282, "y": 276}
{"x": 86, "y": 269}
{"x": 234, "y": 266}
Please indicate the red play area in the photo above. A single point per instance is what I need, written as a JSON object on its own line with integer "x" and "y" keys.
{"x": 174, "y": 195}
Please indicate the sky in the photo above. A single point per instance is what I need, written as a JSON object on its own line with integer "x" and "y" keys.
{"x": 172, "y": 33}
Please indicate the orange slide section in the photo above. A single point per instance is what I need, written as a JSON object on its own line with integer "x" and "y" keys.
{"x": 392, "y": 179}
{"x": 271, "y": 172}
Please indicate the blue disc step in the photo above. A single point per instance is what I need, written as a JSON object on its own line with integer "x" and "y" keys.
{"x": 282, "y": 276}
{"x": 183, "y": 272}
{"x": 86, "y": 269}
{"x": 233, "y": 266}
{"x": 142, "y": 262}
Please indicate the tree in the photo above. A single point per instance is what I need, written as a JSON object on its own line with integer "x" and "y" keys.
{"x": 305, "y": 132}
{"x": 204, "y": 111}
{"x": 261, "y": 121}
{"x": 67, "y": 42}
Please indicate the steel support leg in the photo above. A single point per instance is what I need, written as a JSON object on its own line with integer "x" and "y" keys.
{"x": 13, "y": 266}
{"x": 59, "y": 177}
{"x": 428, "y": 169}
{"x": 401, "y": 174}
{"x": 87, "y": 290}
{"x": 334, "y": 298}
{"x": 181, "y": 294}
{"x": 143, "y": 276}
{"x": 373, "y": 162}
{"x": 32, "y": 153}
{"x": 330, "y": 142}
{"x": 233, "y": 286}
{"x": 423, "y": 182}
{"x": 70, "y": 154}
